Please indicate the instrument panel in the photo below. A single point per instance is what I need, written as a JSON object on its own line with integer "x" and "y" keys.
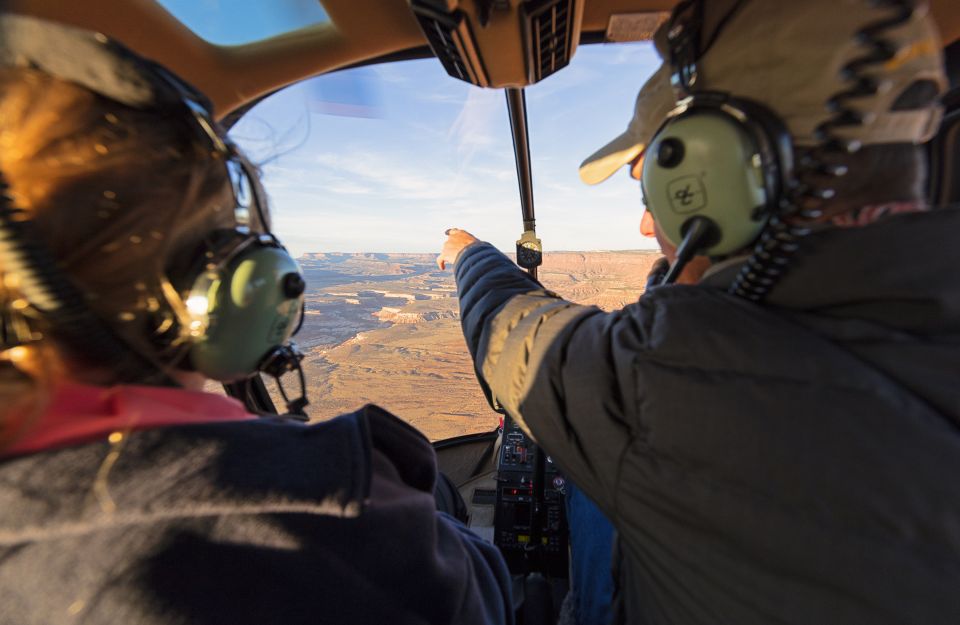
{"x": 530, "y": 522}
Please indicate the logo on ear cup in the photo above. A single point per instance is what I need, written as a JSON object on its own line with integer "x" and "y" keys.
{"x": 278, "y": 331}
{"x": 286, "y": 312}
{"x": 687, "y": 195}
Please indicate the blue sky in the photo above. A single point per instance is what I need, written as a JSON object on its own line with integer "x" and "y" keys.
{"x": 412, "y": 152}
{"x": 230, "y": 22}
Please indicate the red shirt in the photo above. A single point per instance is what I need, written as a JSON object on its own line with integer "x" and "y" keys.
{"x": 80, "y": 414}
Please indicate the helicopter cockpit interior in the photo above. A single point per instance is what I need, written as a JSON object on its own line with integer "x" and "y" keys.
{"x": 513, "y": 490}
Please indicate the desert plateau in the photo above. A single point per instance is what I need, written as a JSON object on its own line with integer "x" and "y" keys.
{"x": 385, "y": 329}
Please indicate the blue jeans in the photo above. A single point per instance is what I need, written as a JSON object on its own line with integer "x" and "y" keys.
{"x": 591, "y": 549}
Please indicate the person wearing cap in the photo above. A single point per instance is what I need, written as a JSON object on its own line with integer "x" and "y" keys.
{"x": 127, "y": 493}
{"x": 774, "y": 440}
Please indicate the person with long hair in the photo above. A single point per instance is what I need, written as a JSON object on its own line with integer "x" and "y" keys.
{"x": 137, "y": 263}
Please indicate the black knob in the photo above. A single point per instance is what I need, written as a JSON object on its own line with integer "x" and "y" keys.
{"x": 670, "y": 153}
{"x": 293, "y": 285}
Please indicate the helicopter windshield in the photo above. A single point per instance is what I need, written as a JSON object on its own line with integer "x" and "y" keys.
{"x": 366, "y": 168}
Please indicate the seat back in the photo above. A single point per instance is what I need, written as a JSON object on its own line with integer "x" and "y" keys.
{"x": 945, "y": 147}
{"x": 945, "y": 157}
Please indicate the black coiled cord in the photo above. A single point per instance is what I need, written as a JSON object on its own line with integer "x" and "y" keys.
{"x": 804, "y": 199}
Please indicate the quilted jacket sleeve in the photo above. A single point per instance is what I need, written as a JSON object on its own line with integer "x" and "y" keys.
{"x": 563, "y": 371}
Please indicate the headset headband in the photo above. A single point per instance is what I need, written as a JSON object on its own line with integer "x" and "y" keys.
{"x": 91, "y": 60}
{"x": 683, "y": 40}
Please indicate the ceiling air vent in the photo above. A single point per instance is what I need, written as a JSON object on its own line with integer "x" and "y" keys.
{"x": 501, "y": 43}
{"x": 550, "y": 30}
{"x": 448, "y": 33}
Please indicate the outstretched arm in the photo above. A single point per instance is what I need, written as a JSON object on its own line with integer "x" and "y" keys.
{"x": 561, "y": 370}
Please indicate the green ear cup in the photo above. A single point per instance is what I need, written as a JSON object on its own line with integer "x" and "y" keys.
{"x": 706, "y": 164}
{"x": 252, "y": 307}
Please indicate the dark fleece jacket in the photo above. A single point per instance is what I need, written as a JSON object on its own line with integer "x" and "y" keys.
{"x": 247, "y": 522}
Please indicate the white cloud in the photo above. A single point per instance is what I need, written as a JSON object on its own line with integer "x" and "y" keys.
{"x": 397, "y": 184}
{"x": 480, "y": 120}
{"x": 401, "y": 174}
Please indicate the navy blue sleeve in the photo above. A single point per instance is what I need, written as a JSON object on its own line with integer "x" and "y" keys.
{"x": 561, "y": 370}
{"x": 486, "y": 281}
{"x": 492, "y": 582}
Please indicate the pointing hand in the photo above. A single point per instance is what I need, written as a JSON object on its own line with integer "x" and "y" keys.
{"x": 457, "y": 241}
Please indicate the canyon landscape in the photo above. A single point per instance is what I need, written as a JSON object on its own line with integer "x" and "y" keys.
{"x": 385, "y": 329}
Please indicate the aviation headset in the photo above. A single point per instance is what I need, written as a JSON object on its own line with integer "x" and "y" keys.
{"x": 717, "y": 168}
{"x": 231, "y": 312}
{"x": 721, "y": 159}
{"x": 721, "y": 170}
{"x": 239, "y": 303}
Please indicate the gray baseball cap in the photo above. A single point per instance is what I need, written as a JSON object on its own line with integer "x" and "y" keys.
{"x": 789, "y": 56}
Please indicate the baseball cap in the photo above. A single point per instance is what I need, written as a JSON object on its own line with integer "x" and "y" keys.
{"x": 654, "y": 102}
{"x": 791, "y": 57}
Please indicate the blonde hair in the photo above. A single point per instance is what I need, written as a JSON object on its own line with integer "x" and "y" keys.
{"x": 116, "y": 195}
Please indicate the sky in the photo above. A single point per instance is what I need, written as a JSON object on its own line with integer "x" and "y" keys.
{"x": 384, "y": 158}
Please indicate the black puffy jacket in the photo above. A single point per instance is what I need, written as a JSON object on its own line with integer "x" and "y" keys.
{"x": 795, "y": 462}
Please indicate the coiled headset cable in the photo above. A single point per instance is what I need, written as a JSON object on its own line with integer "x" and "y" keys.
{"x": 803, "y": 203}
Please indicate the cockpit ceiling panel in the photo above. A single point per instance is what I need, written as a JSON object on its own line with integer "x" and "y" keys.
{"x": 237, "y": 22}
{"x": 356, "y": 31}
